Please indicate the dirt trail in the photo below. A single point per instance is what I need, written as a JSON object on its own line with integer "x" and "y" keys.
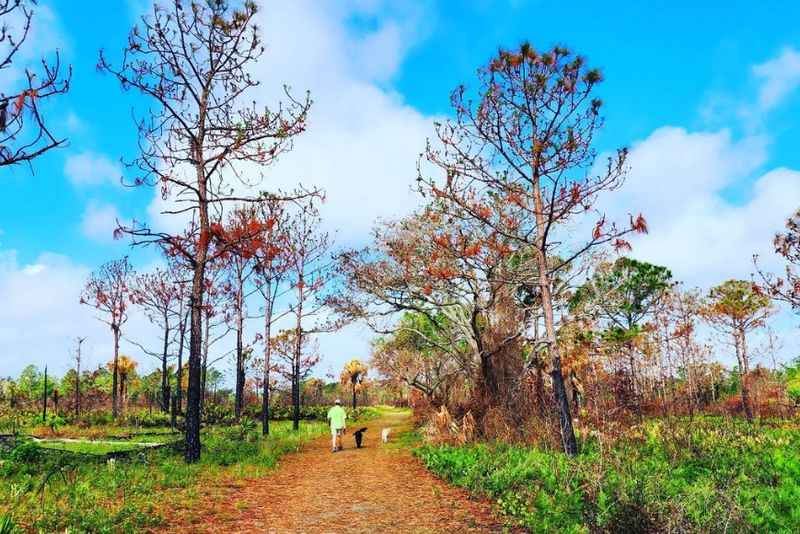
{"x": 377, "y": 488}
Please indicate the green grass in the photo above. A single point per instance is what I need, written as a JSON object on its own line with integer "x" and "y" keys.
{"x": 56, "y": 490}
{"x": 708, "y": 475}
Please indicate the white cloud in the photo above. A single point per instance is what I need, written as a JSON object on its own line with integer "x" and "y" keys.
{"x": 779, "y": 77}
{"x": 99, "y": 221}
{"x": 362, "y": 140}
{"x": 683, "y": 183}
{"x": 89, "y": 168}
{"x": 41, "y": 316}
{"x": 707, "y": 215}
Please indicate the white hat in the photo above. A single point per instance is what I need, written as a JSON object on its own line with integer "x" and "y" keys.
{"x": 338, "y": 401}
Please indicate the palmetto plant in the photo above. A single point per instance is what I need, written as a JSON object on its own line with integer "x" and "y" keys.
{"x": 354, "y": 373}
{"x": 125, "y": 369}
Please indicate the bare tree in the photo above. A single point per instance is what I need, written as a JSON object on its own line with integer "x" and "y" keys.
{"x": 24, "y": 134}
{"x": 310, "y": 272}
{"x": 295, "y": 363}
{"x": 159, "y": 293}
{"x": 108, "y": 290}
{"x": 191, "y": 60}
{"x": 78, "y": 342}
{"x": 270, "y": 271}
{"x": 245, "y": 231}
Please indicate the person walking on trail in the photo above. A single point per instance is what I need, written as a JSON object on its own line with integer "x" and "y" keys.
{"x": 338, "y": 418}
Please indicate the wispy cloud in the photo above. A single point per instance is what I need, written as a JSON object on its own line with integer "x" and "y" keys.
{"x": 779, "y": 77}
{"x": 89, "y": 168}
{"x": 99, "y": 221}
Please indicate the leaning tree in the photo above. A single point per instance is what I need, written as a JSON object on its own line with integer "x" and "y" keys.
{"x": 24, "y": 133}
{"x": 518, "y": 157}
{"x": 201, "y": 141}
{"x": 108, "y": 290}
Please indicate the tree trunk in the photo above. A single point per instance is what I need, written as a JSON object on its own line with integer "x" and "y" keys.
{"x": 568, "y": 440}
{"x": 195, "y": 364}
{"x": 354, "y": 395}
{"x": 267, "y": 355}
{"x": 204, "y": 373}
{"x": 115, "y": 372}
{"x": 744, "y": 371}
{"x": 491, "y": 390}
{"x": 193, "y": 393}
{"x": 164, "y": 371}
{"x": 173, "y": 414}
{"x": 240, "y": 376}
{"x": 78, "y": 384}
{"x": 179, "y": 377}
{"x": 44, "y": 398}
{"x": 298, "y": 351}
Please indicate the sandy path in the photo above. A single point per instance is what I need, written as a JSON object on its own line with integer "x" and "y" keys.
{"x": 374, "y": 489}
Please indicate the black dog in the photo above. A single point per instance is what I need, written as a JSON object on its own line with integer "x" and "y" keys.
{"x": 359, "y": 435}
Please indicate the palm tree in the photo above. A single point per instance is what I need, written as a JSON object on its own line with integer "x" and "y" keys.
{"x": 354, "y": 373}
{"x": 126, "y": 366}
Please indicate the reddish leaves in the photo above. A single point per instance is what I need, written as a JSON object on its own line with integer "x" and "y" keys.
{"x": 639, "y": 224}
{"x": 597, "y": 233}
{"x": 620, "y": 245}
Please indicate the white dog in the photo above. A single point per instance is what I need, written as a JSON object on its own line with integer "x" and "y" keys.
{"x": 385, "y": 435}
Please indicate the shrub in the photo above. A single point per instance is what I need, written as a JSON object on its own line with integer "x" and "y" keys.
{"x": 145, "y": 419}
{"x": 706, "y": 475}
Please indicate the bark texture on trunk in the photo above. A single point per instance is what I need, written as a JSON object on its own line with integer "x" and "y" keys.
{"x": 568, "y": 440}
{"x": 195, "y": 368}
{"x": 194, "y": 393}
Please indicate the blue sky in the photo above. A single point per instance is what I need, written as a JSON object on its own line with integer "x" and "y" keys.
{"x": 705, "y": 93}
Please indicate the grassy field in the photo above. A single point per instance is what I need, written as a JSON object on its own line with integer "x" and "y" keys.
{"x": 76, "y": 488}
{"x": 705, "y": 475}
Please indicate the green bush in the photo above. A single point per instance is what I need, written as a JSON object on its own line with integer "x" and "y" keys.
{"x": 702, "y": 476}
{"x": 145, "y": 419}
{"x": 97, "y": 418}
